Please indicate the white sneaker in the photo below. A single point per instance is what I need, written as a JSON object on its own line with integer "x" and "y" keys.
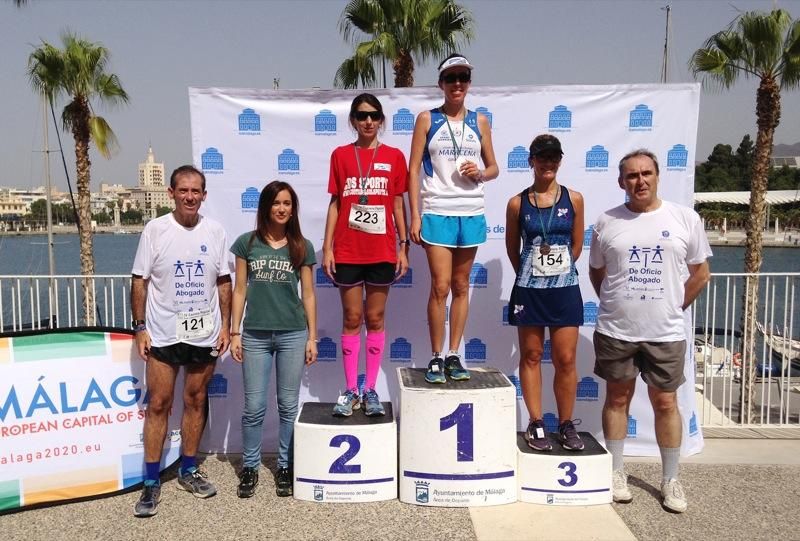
{"x": 674, "y": 498}
{"x": 619, "y": 484}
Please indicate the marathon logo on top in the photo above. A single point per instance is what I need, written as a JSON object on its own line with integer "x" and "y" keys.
{"x": 212, "y": 162}
{"x": 288, "y": 162}
{"x": 400, "y": 351}
{"x": 406, "y": 281}
{"x": 640, "y": 118}
{"x": 249, "y": 122}
{"x": 597, "y": 159}
{"x": 326, "y": 350}
{"x": 325, "y": 123}
{"x": 559, "y": 119}
{"x": 677, "y": 158}
{"x": 403, "y": 122}
{"x": 189, "y": 280}
{"x": 518, "y": 160}
{"x": 644, "y": 271}
{"x": 478, "y": 276}
{"x": 588, "y": 390}
{"x": 485, "y": 112}
{"x": 475, "y": 351}
{"x": 250, "y": 199}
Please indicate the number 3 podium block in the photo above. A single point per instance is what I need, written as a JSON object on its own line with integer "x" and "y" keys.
{"x": 344, "y": 459}
{"x": 562, "y": 477}
{"x": 457, "y": 440}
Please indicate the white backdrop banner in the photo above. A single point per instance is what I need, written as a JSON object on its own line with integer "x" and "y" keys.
{"x": 244, "y": 138}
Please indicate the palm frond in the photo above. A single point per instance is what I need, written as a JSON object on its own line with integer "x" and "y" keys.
{"x": 103, "y": 136}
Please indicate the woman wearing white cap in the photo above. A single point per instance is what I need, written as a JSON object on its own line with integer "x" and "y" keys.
{"x": 447, "y": 148}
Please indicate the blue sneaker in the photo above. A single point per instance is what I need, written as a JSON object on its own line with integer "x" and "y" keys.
{"x": 372, "y": 404}
{"x": 348, "y": 402}
{"x": 454, "y": 370}
{"x": 435, "y": 373}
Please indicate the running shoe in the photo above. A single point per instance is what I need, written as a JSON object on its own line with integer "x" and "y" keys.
{"x": 372, "y": 404}
{"x": 348, "y": 402}
{"x": 435, "y": 373}
{"x": 196, "y": 481}
{"x": 536, "y": 436}
{"x": 674, "y": 498}
{"x": 283, "y": 482}
{"x": 454, "y": 370}
{"x": 148, "y": 501}
{"x": 248, "y": 481}
{"x": 568, "y": 437}
{"x": 619, "y": 485}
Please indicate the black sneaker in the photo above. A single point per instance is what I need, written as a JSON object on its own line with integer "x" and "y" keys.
{"x": 454, "y": 370}
{"x": 248, "y": 481}
{"x": 435, "y": 373}
{"x": 568, "y": 436}
{"x": 148, "y": 501}
{"x": 283, "y": 482}
{"x": 536, "y": 436}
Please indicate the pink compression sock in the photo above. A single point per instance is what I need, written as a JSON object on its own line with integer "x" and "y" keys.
{"x": 351, "y": 347}
{"x": 375, "y": 344}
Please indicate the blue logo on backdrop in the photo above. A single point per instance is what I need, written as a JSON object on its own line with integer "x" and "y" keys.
{"x": 250, "y": 199}
{"x": 218, "y": 386}
{"x": 478, "y": 276}
{"x": 289, "y": 162}
{"x": 631, "y": 426}
{"x": 597, "y": 159}
{"x": 693, "y": 424}
{"x": 475, "y": 351}
{"x": 400, "y": 351}
{"x": 485, "y": 112}
{"x": 402, "y": 121}
{"x": 559, "y": 119}
{"x": 211, "y": 161}
{"x": 587, "y": 390}
{"x": 422, "y": 495}
{"x": 518, "y": 160}
{"x": 406, "y": 281}
{"x": 495, "y": 232}
{"x": 322, "y": 279}
{"x": 550, "y": 422}
{"x": 640, "y": 118}
{"x": 590, "y": 314}
{"x": 505, "y": 315}
{"x": 677, "y": 157}
{"x": 547, "y": 352}
{"x": 325, "y": 123}
{"x": 249, "y": 122}
{"x": 360, "y": 382}
{"x": 517, "y": 385}
{"x": 587, "y": 236}
{"x": 326, "y": 350}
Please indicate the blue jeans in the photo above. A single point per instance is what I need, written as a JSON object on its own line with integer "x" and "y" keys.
{"x": 259, "y": 348}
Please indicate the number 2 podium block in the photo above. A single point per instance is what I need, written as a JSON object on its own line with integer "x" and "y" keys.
{"x": 457, "y": 440}
{"x": 344, "y": 459}
{"x": 562, "y": 477}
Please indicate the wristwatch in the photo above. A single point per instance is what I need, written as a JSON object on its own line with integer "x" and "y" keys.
{"x": 138, "y": 325}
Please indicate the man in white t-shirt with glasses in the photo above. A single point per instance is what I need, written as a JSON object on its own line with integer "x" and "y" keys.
{"x": 647, "y": 264}
{"x": 181, "y": 304}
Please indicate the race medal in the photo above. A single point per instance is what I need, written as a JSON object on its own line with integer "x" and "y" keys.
{"x": 544, "y": 248}
{"x": 193, "y": 325}
{"x": 363, "y": 199}
{"x": 551, "y": 260}
{"x": 368, "y": 218}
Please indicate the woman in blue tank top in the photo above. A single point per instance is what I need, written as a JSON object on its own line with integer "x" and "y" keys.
{"x": 544, "y": 237}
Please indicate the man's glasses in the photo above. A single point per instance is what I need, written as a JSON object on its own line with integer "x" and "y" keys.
{"x": 461, "y": 77}
{"x": 363, "y": 115}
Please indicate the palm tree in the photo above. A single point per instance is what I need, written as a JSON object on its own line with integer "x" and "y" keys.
{"x": 399, "y": 31}
{"x": 764, "y": 46}
{"x": 78, "y": 71}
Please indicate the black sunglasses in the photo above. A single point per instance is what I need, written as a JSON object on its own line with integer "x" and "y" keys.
{"x": 362, "y": 115}
{"x": 461, "y": 77}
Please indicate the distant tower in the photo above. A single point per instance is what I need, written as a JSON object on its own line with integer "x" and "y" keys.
{"x": 151, "y": 173}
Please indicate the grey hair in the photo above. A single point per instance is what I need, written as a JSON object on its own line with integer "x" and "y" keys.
{"x": 638, "y": 152}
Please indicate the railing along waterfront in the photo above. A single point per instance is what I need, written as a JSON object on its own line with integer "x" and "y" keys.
{"x": 724, "y": 370}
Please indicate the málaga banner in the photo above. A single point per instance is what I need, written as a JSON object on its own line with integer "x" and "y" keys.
{"x": 244, "y": 138}
{"x": 71, "y": 415}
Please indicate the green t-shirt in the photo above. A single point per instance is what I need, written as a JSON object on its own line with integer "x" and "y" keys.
{"x": 273, "y": 303}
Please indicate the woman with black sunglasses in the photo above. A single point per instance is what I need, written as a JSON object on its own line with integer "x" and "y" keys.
{"x": 447, "y": 148}
{"x": 366, "y": 245}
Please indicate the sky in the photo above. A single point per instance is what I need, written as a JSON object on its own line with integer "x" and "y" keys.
{"x": 159, "y": 48}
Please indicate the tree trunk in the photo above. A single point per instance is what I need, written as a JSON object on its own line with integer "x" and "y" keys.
{"x": 403, "y": 67}
{"x": 80, "y": 131}
{"x": 768, "y": 114}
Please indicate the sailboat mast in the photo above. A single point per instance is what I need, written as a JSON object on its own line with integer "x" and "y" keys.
{"x": 48, "y": 206}
{"x": 668, "y": 9}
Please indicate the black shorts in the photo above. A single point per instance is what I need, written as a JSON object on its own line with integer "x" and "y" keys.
{"x": 181, "y": 354}
{"x": 374, "y": 274}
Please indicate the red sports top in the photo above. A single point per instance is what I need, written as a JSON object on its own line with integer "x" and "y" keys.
{"x": 386, "y": 179}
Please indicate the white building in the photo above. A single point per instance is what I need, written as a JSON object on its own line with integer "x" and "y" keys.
{"x": 151, "y": 192}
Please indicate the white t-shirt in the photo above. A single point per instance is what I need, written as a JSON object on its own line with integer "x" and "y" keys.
{"x": 182, "y": 265}
{"x": 646, "y": 256}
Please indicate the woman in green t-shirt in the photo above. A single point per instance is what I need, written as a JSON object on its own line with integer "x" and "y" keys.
{"x": 278, "y": 324}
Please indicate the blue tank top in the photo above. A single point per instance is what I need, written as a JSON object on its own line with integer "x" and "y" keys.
{"x": 559, "y": 233}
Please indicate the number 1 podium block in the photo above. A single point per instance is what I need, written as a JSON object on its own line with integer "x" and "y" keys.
{"x": 457, "y": 440}
{"x": 344, "y": 459}
{"x": 561, "y": 477}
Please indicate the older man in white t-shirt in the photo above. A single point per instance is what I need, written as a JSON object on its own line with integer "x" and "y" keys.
{"x": 647, "y": 263}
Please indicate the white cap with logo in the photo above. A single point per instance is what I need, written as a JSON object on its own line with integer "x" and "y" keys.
{"x": 455, "y": 62}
